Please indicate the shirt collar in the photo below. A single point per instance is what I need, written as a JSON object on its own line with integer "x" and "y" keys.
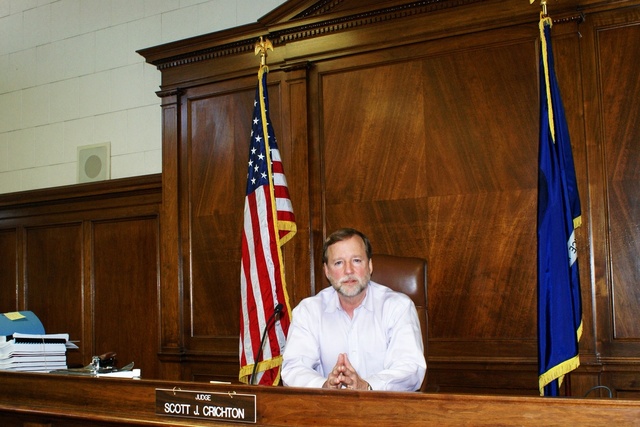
{"x": 334, "y": 304}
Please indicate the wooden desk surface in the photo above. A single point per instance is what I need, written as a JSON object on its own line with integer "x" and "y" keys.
{"x": 54, "y": 400}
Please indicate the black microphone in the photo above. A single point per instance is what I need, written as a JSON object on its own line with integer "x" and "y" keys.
{"x": 278, "y": 308}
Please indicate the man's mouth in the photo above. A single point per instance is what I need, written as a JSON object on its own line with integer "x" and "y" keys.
{"x": 349, "y": 280}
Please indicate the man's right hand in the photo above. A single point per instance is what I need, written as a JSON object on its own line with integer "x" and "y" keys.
{"x": 334, "y": 380}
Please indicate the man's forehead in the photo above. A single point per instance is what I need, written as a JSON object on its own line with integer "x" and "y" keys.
{"x": 354, "y": 245}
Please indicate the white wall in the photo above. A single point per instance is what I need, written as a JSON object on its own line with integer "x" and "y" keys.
{"x": 70, "y": 76}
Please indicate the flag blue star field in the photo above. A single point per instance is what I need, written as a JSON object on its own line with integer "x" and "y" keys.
{"x": 269, "y": 223}
{"x": 559, "y": 301}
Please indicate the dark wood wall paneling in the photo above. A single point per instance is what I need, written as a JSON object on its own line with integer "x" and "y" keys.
{"x": 8, "y": 270}
{"x": 418, "y": 123}
{"x": 613, "y": 131}
{"x": 435, "y": 155}
{"x": 85, "y": 260}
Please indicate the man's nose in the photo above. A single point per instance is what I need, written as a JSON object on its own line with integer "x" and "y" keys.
{"x": 348, "y": 267}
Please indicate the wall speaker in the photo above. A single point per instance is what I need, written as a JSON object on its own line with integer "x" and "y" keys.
{"x": 93, "y": 162}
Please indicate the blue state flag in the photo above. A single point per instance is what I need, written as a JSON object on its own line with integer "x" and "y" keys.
{"x": 559, "y": 301}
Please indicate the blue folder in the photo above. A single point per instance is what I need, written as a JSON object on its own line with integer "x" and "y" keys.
{"x": 30, "y": 324}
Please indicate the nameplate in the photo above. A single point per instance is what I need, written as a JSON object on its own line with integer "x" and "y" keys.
{"x": 205, "y": 405}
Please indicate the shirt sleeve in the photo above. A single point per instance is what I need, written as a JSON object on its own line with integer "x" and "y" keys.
{"x": 301, "y": 365}
{"x": 404, "y": 362}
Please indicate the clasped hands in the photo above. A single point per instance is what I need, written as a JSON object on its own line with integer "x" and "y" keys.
{"x": 343, "y": 375}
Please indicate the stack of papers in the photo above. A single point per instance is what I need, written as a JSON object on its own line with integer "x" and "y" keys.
{"x": 133, "y": 374}
{"x": 34, "y": 352}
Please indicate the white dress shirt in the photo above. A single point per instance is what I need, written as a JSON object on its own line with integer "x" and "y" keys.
{"x": 383, "y": 340}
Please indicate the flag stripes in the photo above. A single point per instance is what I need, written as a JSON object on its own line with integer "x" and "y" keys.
{"x": 268, "y": 223}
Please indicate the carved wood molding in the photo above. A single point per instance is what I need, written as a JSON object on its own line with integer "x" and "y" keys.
{"x": 366, "y": 18}
{"x": 243, "y": 46}
{"x": 320, "y": 8}
{"x": 314, "y": 29}
{"x": 282, "y": 33}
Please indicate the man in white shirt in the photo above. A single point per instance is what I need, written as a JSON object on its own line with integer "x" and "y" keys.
{"x": 356, "y": 334}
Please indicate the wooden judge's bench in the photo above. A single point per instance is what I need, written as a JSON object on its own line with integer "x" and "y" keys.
{"x": 56, "y": 400}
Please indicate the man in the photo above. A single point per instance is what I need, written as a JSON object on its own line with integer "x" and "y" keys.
{"x": 356, "y": 334}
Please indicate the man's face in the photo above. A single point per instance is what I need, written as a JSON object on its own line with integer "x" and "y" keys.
{"x": 348, "y": 268}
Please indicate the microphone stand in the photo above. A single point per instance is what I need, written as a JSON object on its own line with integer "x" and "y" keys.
{"x": 276, "y": 311}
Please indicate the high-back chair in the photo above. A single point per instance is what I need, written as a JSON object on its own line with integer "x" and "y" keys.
{"x": 409, "y": 276}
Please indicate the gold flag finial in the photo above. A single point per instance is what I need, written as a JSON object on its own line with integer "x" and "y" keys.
{"x": 261, "y": 48}
{"x": 543, "y": 5}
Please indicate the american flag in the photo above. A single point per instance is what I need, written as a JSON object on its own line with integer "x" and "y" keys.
{"x": 268, "y": 224}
